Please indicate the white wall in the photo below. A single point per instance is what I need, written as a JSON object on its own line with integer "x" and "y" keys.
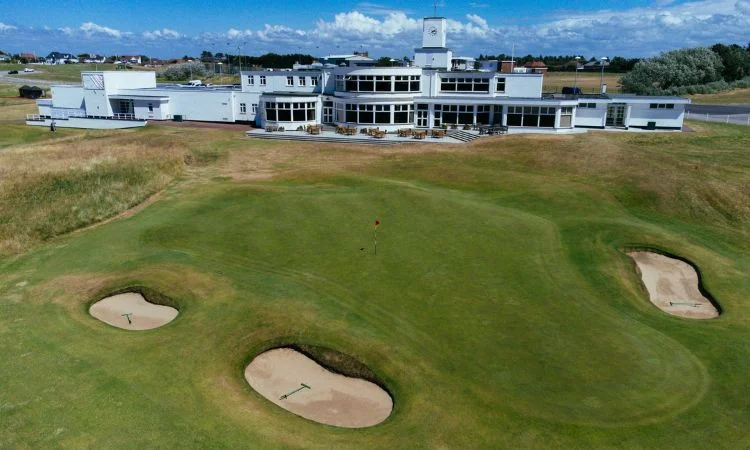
{"x": 276, "y": 81}
{"x": 641, "y": 114}
{"x": 67, "y": 96}
{"x": 160, "y": 109}
{"x": 249, "y": 99}
{"x": 200, "y": 104}
{"x": 588, "y": 117}
{"x": 522, "y": 85}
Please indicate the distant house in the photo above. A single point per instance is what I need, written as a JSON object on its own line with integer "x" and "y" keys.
{"x": 28, "y": 56}
{"x": 60, "y": 58}
{"x": 130, "y": 59}
{"x": 595, "y": 65}
{"x": 95, "y": 59}
{"x": 4, "y": 58}
{"x": 535, "y": 67}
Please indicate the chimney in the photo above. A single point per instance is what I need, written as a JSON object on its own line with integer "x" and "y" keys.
{"x": 507, "y": 66}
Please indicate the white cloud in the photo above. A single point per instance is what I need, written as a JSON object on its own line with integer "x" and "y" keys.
{"x": 474, "y": 18}
{"x": 164, "y": 33}
{"x": 378, "y": 9}
{"x": 642, "y": 31}
{"x": 91, "y": 29}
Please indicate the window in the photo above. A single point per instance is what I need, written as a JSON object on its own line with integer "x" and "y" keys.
{"x": 458, "y": 114}
{"x": 290, "y": 112}
{"x": 587, "y": 105}
{"x": 302, "y": 81}
{"x": 535, "y": 116}
{"x": 661, "y": 106}
{"x": 254, "y": 108}
{"x": 500, "y": 85}
{"x": 150, "y": 107}
{"x": 566, "y": 117}
{"x": 465, "y": 84}
{"x": 290, "y": 81}
{"x": 403, "y": 114}
{"x": 262, "y": 80}
{"x": 313, "y": 81}
{"x": 243, "y": 108}
{"x": 378, "y": 83}
{"x": 251, "y": 80}
{"x": 383, "y": 83}
{"x": 483, "y": 114}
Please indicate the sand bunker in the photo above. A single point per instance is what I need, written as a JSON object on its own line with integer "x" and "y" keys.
{"x": 131, "y": 311}
{"x": 673, "y": 285}
{"x": 300, "y": 385}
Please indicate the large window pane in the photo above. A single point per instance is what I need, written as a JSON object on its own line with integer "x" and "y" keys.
{"x": 514, "y": 120}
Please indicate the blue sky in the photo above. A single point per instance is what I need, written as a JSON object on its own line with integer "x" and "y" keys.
{"x": 393, "y": 28}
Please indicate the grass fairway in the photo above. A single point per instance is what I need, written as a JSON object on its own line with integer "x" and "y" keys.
{"x": 499, "y": 310}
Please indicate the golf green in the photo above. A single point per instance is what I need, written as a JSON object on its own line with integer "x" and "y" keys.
{"x": 499, "y": 313}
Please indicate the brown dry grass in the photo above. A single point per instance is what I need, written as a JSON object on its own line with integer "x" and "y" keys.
{"x": 587, "y": 81}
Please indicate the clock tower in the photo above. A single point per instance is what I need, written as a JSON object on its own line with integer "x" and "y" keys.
{"x": 434, "y": 32}
{"x": 433, "y": 54}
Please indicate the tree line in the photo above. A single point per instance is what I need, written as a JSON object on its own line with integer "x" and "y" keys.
{"x": 268, "y": 61}
{"x": 699, "y": 70}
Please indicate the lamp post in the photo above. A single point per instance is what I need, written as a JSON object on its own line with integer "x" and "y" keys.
{"x": 601, "y": 78}
{"x": 575, "y": 84}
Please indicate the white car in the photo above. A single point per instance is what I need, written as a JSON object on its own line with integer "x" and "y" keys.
{"x": 28, "y": 69}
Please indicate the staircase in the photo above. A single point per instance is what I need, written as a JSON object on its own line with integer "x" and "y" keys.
{"x": 462, "y": 136}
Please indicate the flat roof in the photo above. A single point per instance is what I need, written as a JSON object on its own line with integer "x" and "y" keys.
{"x": 292, "y": 94}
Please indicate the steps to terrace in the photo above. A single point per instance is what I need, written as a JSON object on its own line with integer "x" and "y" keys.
{"x": 462, "y": 136}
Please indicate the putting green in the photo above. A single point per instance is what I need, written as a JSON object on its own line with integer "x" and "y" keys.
{"x": 497, "y": 319}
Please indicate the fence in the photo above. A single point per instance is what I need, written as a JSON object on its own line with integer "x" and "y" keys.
{"x": 737, "y": 119}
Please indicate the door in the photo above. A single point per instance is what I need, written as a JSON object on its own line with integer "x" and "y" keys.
{"x": 126, "y": 107}
{"x": 328, "y": 114}
{"x": 616, "y": 115}
{"x": 422, "y": 118}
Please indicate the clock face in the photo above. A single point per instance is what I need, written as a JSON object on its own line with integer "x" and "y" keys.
{"x": 432, "y": 31}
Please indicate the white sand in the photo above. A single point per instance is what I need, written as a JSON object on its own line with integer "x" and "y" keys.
{"x": 333, "y": 399}
{"x": 672, "y": 286}
{"x": 143, "y": 315}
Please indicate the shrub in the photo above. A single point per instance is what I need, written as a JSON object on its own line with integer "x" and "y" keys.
{"x": 185, "y": 71}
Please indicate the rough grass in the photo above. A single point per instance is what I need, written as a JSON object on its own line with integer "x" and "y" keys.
{"x": 587, "y": 81}
{"x": 65, "y": 73}
{"x": 741, "y": 96}
{"x": 500, "y": 310}
{"x": 73, "y": 179}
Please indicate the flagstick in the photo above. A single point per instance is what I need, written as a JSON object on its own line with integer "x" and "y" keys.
{"x": 375, "y": 237}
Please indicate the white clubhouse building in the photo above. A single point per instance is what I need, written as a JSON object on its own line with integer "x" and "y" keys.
{"x": 349, "y": 90}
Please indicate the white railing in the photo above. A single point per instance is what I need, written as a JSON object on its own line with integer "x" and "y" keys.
{"x": 737, "y": 119}
{"x": 123, "y": 116}
{"x": 36, "y": 117}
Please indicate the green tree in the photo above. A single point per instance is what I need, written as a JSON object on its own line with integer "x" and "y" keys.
{"x": 684, "y": 67}
{"x": 736, "y": 61}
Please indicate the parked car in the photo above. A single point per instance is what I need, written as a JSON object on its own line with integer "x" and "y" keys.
{"x": 12, "y": 72}
{"x": 28, "y": 69}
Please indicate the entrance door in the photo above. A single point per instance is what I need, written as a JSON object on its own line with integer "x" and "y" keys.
{"x": 126, "y": 106}
{"x": 327, "y": 114}
{"x": 616, "y": 115}
{"x": 422, "y": 118}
